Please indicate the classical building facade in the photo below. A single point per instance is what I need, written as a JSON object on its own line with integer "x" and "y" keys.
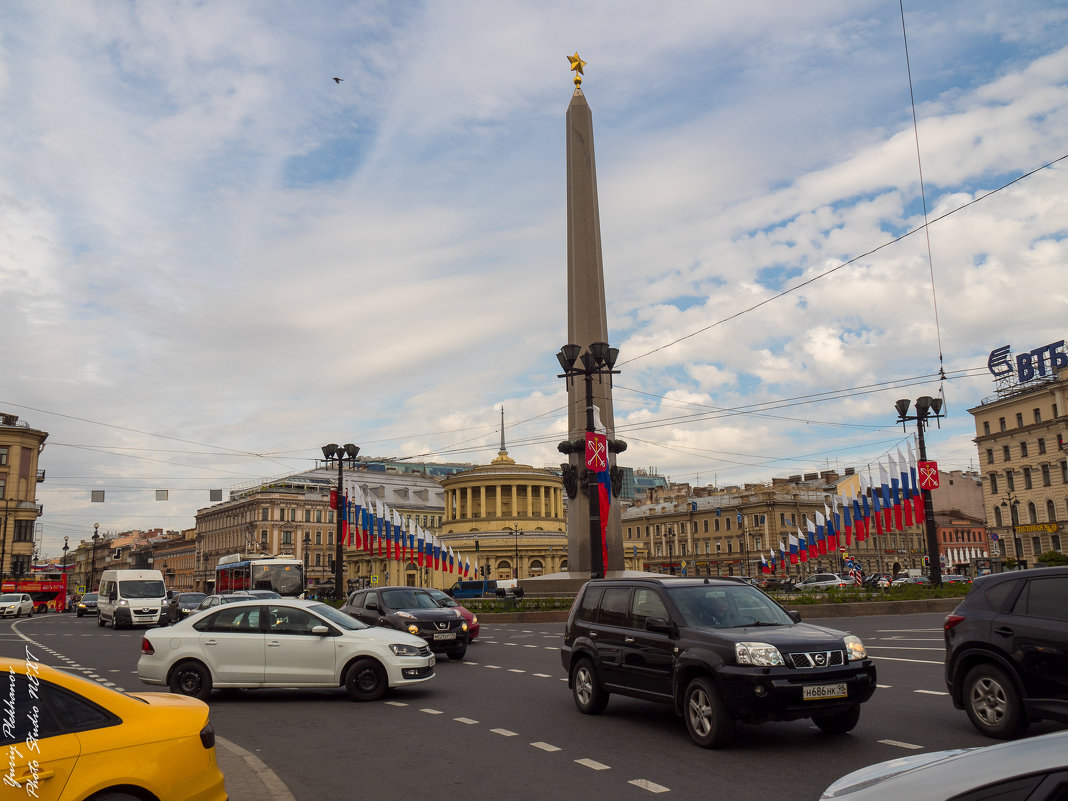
{"x": 511, "y": 517}
{"x": 1020, "y": 435}
{"x": 20, "y": 449}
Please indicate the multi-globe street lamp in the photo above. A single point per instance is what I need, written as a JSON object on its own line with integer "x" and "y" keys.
{"x": 1011, "y": 504}
{"x": 342, "y": 454}
{"x": 598, "y": 359}
{"x": 92, "y": 569}
{"x": 927, "y": 409}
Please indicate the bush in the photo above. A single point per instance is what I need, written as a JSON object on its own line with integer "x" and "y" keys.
{"x": 1053, "y": 559}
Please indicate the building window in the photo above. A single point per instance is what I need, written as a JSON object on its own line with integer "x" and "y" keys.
{"x": 1036, "y": 545}
{"x": 1019, "y": 419}
{"x": 986, "y": 427}
{"x": 1051, "y": 512}
{"x": 265, "y": 514}
{"x": 728, "y": 526}
{"x": 3, "y": 485}
{"x": 318, "y": 515}
{"x": 330, "y": 516}
{"x": 318, "y": 538}
{"x": 990, "y": 456}
{"x": 1038, "y": 415}
{"x": 287, "y": 537}
{"x": 1045, "y": 476}
{"x": 705, "y": 525}
{"x": 716, "y": 524}
{"x": 1005, "y": 454}
{"x": 997, "y": 516}
{"x": 1023, "y": 450}
{"x": 1027, "y": 478}
{"x": 730, "y": 547}
{"x": 318, "y": 559}
{"x": 1001, "y": 423}
{"x": 1055, "y": 541}
{"x": 993, "y": 483}
{"x": 330, "y": 538}
{"x": 1032, "y": 513}
{"x": 307, "y": 515}
{"x": 1041, "y": 445}
{"x": 1010, "y": 481}
{"x": 292, "y": 515}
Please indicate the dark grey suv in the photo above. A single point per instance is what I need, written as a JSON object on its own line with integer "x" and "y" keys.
{"x": 717, "y": 650}
{"x": 1007, "y": 650}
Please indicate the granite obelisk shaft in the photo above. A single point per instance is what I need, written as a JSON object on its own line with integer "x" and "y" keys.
{"x": 586, "y": 323}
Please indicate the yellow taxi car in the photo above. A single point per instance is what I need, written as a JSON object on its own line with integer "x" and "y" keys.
{"x": 64, "y": 738}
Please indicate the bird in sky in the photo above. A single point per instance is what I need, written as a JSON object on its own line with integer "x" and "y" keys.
{"x": 338, "y": 80}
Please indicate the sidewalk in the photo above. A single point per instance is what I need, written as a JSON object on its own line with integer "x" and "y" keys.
{"x": 247, "y": 778}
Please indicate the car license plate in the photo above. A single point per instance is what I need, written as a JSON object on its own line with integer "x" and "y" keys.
{"x": 444, "y": 635}
{"x": 433, "y": 660}
{"x": 816, "y": 692}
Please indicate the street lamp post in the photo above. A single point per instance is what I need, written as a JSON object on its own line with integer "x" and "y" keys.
{"x": 1011, "y": 503}
{"x": 927, "y": 409}
{"x": 307, "y": 544}
{"x": 347, "y": 453}
{"x": 515, "y": 529}
{"x": 92, "y": 569}
{"x": 66, "y": 580}
{"x": 597, "y": 360}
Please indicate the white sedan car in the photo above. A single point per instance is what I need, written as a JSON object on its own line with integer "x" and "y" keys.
{"x": 282, "y": 643}
{"x": 16, "y": 604}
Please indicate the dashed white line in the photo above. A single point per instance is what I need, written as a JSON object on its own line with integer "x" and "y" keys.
{"x": 395, "y": 703}
{"x": 903, "y": 648}
{"x": 516, "y": 670}
{"x": 900, "y": 744}
{"x": 432, "y": 711}
{"x": 931, "y": 692}
{"x": 512, "y": 643}
{"x": 541, "y": 675}
{"x": 545, "y": 747}
{"x": 900, "y": 659}
{"x": 493, "y": 667}
{"x": 884, "y": 686}
{"x": 652, "y": 787}
{"x": 468, "y": 721}
{"x": 592, "y": 764}
{"x": 504, "y": 732}
{"x": 530, "y": 645}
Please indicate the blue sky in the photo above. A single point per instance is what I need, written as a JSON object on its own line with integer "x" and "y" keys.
{"x": 214, "y": 258}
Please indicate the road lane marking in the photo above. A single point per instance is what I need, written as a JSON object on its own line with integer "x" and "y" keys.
{"x": 529, "y": 645}
{"x": 931, "y": 692}
{"x": 542, "y": 675}
{"x": 550, "y": 648}
{"x": 493, "y": 667}
{"x": 884, "y": 686}
{"x": 516, "y": 670}
{"x": 432, "y": 711}
{"x": 468, "y": 662}
{"x": 504, "y": 732}
{"x": 468, "y": 721}
{"x": 901, "y": 659}
{"x": 652, "y": 787}
{"x": 903, "y": 648}
{"x": 395, "y": 703}
{"x": 592, "y": 764}
{"x": 545, "y": 747}
{"x": 900, "y": 744}
{"x": 511, "y": 643}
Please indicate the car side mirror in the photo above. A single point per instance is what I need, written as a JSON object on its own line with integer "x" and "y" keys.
{"x": 320, "y": 631}
{"x": 657, "y": 624}
{"x": 372, "y": 605}
{"x": 112, "y": 596}
{"x": 794, "y": 615}
{"x": 449, "y": 592}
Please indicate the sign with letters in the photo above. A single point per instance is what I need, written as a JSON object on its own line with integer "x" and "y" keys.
{"x": 1039, "y": 362}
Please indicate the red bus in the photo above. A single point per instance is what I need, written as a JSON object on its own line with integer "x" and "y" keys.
{"x": 49, "y": 592}
{"x": 284, "y": 575}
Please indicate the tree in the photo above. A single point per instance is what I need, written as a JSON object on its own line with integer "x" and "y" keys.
{"x": 1053, "y": 558}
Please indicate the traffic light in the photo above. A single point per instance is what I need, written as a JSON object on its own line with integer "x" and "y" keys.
{"x": 926, "y": 561}
{"x": 476, "y": 546}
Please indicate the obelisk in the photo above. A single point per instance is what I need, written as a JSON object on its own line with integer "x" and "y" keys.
{"x": 586, "y": 323}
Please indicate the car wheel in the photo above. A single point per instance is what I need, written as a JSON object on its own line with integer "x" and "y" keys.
{"x": 590, "y": 697}
{"x": 43, "y": 608}
{"x": 707, "y": 720}
{"x": 100, "y": 620}
{"x": 112, "y": 797}
{"x": 192, "y": 679}
{"x": 365, "y": 680}
{"x": 840, "y": 723}
{"x": 458, "y": 653}
{"x": 992, "y": 702}
{"x": 79, "y": 614}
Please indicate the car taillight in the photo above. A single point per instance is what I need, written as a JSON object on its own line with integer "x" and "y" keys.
{"x": 146, "y": 647}
{"x": 952, "y": 620}
{"x": 207, "y": 735}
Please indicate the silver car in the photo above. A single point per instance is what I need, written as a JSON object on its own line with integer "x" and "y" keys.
{"x": 16, "y": 604}
{"x": 823, "y": 581}
{"x": 1032, "y": 768}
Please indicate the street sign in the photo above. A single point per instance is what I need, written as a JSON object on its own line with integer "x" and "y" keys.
{"x": 80, "y": 589}
{"x": 928, "y": 475}
{"x": 374, "y": 579}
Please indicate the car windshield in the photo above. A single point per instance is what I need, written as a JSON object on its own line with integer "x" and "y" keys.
{"x": 8, "y": 597}
{"x": 89, "y": 596}
{"x": 408, "y": 599}
{"x": 718, "y": 606}
{"x": 191, "y": 597}
{"x": 142, "y": 588}
{"x": 442, "y": 598}
{"x": 339, "y": 619}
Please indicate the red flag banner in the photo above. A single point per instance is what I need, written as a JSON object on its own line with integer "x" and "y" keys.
{"x": 928, "y": 472}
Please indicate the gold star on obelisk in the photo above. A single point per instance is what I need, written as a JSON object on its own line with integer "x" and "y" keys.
{"x": 576, "y": 66}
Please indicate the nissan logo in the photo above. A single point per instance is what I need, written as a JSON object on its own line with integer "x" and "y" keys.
{"x": 821, "y": 659}
{"x": 443, "y": 625}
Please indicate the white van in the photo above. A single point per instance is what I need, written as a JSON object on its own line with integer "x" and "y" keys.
{"x": 130, "y": 598}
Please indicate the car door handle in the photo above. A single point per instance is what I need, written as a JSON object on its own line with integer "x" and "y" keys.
{"x": 274, "y": 644}
{"x": 628, "y": 640}
{"x": 44, "y": 774}
{"x": 211, "y": 642}
{"x": 1004, "y": 631}
{"x": 593, "y": 634}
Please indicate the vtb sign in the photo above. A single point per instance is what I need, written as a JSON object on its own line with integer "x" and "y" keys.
{"x": 1028, "y": 365}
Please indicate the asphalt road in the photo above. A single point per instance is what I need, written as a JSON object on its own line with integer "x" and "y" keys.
{"x": 501, "y": 724}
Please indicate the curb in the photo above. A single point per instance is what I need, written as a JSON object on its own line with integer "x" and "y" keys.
{"x": 247, "y": 777}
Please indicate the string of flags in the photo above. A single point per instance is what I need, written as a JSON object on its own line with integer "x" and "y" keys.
{"x": 891, "y": 502}
{"x": 372, "y": 527}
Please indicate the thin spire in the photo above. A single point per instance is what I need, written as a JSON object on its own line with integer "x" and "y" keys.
{"x": 503, "y": 449}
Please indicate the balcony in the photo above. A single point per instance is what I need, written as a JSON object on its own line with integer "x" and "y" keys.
{"x": 40, "y": 509}
{"x": 40, "y": 476}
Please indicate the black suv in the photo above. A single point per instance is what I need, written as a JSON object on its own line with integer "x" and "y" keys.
{"x": 718, "y": 650}
{"x": 1007, "y": 650}
{"x": 414, "y": 610}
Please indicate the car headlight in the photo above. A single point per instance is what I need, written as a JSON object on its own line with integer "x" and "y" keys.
{"x": 124, "y": 602}
{"x": 854, "y": 648}
{"x": 413, "y": 629}
{"x": 759, "y": 654}
{"x": 404, "y": 650}
{"x": 407, "y": 615}
{"x": 474, "y": 620}
{"x": 463, "y": 626}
